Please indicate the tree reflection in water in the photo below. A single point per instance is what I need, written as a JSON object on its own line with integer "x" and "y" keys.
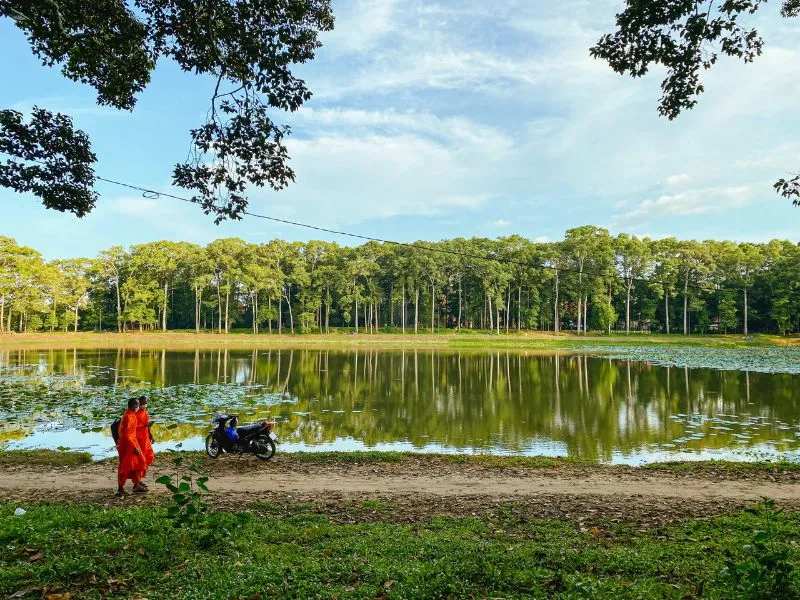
{"x": 504, "y": 401}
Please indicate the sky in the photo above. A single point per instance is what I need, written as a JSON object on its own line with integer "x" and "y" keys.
{"x": 432, "y": 120}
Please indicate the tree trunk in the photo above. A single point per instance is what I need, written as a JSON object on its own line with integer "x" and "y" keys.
{"x": 508, "y": 308}
{"x": 227, "y": 314}
{"x": 219, "y": 309}
{"x": 555, "y": 308}
{"x": 458, "y": 328}
{"x": 280, "y": 311}
{"x": 416, "y": 311}
{"x": 519, "y": 309}
{"x": 745, "y": 311}
{"x": 76, "y": 318}
{"x": 197, "y": 306}
{"x": 491, "y": 317}
{"x": 119, "y": 306}
{"x": 2, "y": 312}
{"x": 328, "y": 310}
{"x": 289, "y": 306}
{"x": 164, "y": 308}
{"x": 628, "y": 308}
{"x": 433, "y": 307}
{"x": 666, "y": 309}
{"x": 403, "y": 310}
{"x": 356, "y": 299}
{"x": 585, "y": 313}
{"x": 686, "y": 305}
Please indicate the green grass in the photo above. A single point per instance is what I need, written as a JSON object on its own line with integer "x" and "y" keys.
{"x": 386, "y": 338}
{"x": 516, "y": 462}
{"x": 51, "y": 458}
{"x": 728, "y": 468}
{"x": 93, "y": 553}
{"x": 367, "y": 456}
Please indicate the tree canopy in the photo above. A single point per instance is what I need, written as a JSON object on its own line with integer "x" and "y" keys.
{"x": 246, "y": 47}
{"x": 687, "y": 37}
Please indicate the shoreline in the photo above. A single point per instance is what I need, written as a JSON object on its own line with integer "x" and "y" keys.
{"x": 480, "y": 462}
{"x": 568, "y": 342}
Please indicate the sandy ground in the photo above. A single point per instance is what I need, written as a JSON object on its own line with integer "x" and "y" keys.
{"x": 416, "y": 489}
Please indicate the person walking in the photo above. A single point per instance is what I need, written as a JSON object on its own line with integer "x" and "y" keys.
{"x": 144, "y": 435}
{"x": 132, "y": 464}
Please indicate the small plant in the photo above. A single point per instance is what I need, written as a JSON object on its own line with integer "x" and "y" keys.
{"x": 190, "y": 509}
{"x": 188, "y": 492}
{"x": 766, "y": 571}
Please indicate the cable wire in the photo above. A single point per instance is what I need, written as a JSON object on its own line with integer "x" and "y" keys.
{"x": 154, "y": 195}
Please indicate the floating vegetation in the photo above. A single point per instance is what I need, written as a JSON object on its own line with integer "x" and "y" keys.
{"x": 754, "y": 359}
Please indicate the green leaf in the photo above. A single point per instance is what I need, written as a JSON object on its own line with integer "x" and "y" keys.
{"x": 164, "y": 480}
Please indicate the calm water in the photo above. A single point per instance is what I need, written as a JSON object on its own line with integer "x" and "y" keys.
{"x": 438, "y": 401}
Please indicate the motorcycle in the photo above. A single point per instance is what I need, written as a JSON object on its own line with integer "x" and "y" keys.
{"x": 227, "y": 436}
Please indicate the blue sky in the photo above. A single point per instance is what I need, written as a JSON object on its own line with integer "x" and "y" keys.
{"x": 433, "y": 120}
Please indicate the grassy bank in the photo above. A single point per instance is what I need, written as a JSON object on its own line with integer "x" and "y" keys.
{"x": 345, "y": 338}
{"x": 50, "y": 458}
{"x": 91, "y": 552}
{"x": 21, "y": 458}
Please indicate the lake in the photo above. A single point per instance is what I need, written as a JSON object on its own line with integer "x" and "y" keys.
{"x": 600, "y": 408}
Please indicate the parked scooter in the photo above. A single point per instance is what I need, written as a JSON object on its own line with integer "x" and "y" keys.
{"x": 258, "y": 439}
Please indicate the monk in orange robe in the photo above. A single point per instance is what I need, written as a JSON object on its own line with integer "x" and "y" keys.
{"x": 132, "y": 463}
{"x": 144, "y": 435}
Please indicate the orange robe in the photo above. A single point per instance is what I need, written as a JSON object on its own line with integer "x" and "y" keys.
{"x": 143, "y": 436}
{"x": 131, "y": 464}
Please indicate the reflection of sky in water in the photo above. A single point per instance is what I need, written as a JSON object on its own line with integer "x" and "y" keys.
{"x": 614, "y": 411}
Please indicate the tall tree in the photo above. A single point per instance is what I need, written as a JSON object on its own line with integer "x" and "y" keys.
{"x": 693, "y": 261}
{"x": 633, "y": 262}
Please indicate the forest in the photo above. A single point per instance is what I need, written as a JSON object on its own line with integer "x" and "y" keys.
{"x": 589, "y": 281}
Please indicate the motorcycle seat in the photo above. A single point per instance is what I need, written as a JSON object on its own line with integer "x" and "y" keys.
{"x": 249, "y": 429}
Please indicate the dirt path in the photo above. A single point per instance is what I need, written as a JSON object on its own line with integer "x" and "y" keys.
{"x": 426, "y": 486}
{"x": 377, "y": 481}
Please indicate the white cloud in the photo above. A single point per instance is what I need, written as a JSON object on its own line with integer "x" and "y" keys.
{"x": 501, "y": 223}
{"x": 694, "y": 202}
{"x": 360, "y": 26}
{"x": 675, "y": 180}
{"x": 345, "y": 179}
{"x": 454, "y": 130}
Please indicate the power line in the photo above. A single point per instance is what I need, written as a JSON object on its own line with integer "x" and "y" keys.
{"x": 154, "y": 195}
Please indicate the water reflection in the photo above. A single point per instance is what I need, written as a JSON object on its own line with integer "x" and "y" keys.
{"x": 499, "y": 401}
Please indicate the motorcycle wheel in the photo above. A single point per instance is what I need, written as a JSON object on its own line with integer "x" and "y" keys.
{"x": 213, "y": 449}
{"x": 266, "y": 447}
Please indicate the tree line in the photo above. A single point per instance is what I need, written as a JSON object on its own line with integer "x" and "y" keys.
{"x": 590, "y": 280}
